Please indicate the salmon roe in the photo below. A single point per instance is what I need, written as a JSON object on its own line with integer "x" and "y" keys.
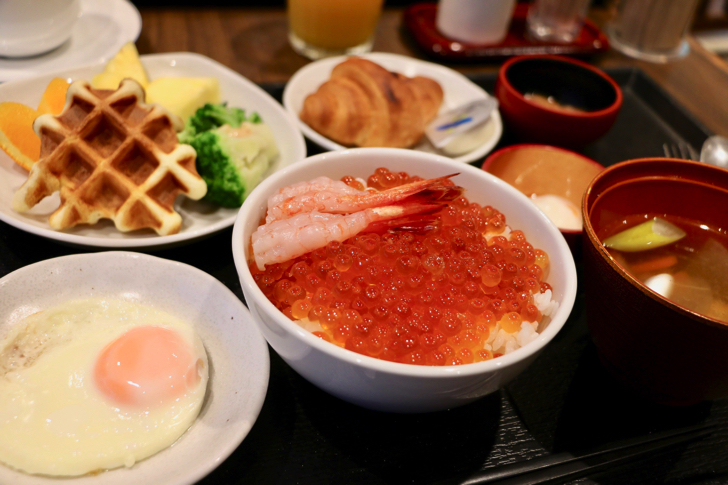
{"x": 427, "y": 297}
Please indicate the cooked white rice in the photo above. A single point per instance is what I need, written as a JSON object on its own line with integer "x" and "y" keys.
{"x": 503, "y": 342}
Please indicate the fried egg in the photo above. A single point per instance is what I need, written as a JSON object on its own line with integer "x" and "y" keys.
{"x": 96, "y": 384}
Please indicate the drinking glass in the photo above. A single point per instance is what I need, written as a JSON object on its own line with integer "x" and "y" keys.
{"x": 556, "y": 20}
{"x": 475, "y": 21}
{"x": 652, "y": 30}
{"x": 324, "y": 28}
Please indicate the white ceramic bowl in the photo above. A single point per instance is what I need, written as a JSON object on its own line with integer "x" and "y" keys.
{"x": 378, "y": 384}
{"x": 237, "y": 353}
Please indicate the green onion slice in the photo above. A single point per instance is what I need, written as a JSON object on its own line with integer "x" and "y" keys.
{"x": 648, "y": 235}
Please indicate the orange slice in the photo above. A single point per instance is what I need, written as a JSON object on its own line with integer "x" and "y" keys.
{"x": 54, "y": 97}
{"x": 17, "y": 137}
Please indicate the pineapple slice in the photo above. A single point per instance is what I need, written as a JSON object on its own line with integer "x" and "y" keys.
{"x": 183, "y": 95}
{"x": 125, "y": 64}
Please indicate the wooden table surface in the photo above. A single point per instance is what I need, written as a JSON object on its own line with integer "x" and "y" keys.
{"x": 254, "y": 43}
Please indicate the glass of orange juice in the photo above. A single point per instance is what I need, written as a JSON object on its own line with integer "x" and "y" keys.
{"x": 323, "y": 28}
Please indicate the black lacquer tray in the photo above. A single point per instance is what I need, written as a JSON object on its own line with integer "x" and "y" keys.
{"x": 563, "y": 402}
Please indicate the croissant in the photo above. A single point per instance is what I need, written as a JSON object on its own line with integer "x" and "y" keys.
{"x": 363, "y": 104}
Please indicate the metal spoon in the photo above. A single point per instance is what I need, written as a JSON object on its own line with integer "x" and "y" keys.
{"x": 715, "y": 151}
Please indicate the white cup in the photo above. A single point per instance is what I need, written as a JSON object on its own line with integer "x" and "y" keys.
{"x": 475, "y": 21}
{"x": 31, "y": 27}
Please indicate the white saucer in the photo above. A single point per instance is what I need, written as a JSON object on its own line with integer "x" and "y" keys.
{"x": 458, "y": 91}
{"x": 104, "y": 26}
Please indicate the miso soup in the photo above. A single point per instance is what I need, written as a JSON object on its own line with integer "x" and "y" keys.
{"x": 692, "y": 272}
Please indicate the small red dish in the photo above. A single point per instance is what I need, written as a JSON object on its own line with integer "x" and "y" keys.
{"x": 658, "y": 348}
{"x": 557, "y": 100}
{"x": 420, "y": 20}
{"x": 546, "y": 170}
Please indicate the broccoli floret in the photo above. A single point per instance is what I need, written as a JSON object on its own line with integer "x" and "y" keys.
{"x": 255, "y": 118}
{"x": 232, "y": 161}
{"x": 211, "y": 116}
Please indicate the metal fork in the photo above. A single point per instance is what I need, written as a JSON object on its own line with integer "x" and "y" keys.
{"x": 680, "y": 149}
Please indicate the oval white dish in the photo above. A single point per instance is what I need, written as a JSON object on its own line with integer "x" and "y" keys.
{"x": 199, "y": 218}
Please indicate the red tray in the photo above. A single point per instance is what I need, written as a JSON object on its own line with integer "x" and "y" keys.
{"x": 420, "y": 20}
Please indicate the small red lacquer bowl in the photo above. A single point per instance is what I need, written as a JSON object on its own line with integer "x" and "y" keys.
{"x": 557, "y": 100}
{"x": 546, "y": 170}
{"x": 661, "y": 350}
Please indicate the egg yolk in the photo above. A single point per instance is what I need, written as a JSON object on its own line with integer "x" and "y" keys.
{"x": 146, "y": 366}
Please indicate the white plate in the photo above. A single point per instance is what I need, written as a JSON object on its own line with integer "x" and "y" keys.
{"x": 104, "y": 26}
{"x": 237, "y": 352}
{"x": 457, "y": 88}
{"x": 198, "y": 218}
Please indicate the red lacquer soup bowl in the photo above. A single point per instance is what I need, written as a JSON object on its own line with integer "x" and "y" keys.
{"x": 662, "y": 350}
{"x": 557, "y": 100}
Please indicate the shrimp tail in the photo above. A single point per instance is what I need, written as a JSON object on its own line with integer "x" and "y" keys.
{"x": 404, "y": 210}
{"x": 412, "y": 188}
{"x": 440, "y": 193}
{"x": 412, "y": 215}
{"x": 420, "y": 224}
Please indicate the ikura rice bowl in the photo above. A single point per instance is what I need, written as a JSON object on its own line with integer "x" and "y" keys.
{"x": 401, "y": 269}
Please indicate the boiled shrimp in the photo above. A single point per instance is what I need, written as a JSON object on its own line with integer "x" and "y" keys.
{"x": 318, "y": 184}
{"x": 285, "y": 239}
{"x": 329, "y": 197}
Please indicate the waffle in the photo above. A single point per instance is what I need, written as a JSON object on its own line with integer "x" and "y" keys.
{"x": 112, "y": 157}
